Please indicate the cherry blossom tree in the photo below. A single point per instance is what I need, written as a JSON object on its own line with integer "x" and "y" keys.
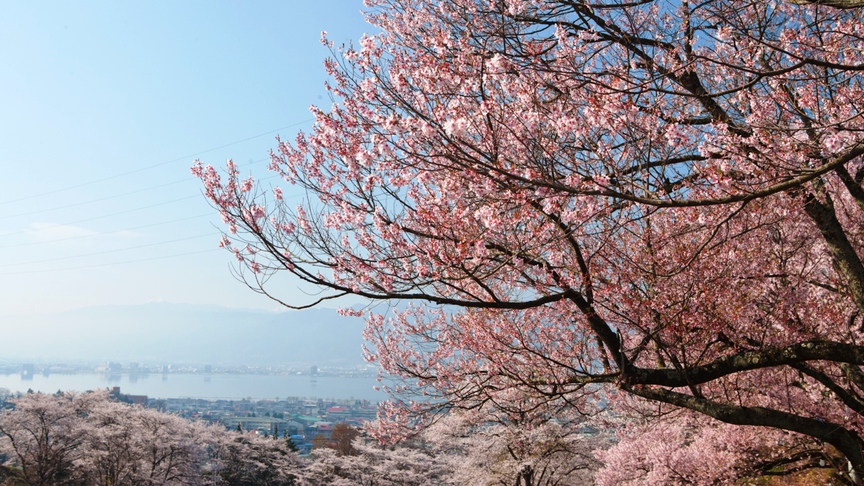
{"x": 684, "y": 448}
{"x": 42, "y": 436}
{"x": 376, "y": 465}
{"x": 248, "y": 459}
{"x": 657, "y": 198}
{"x": 88, "y": 439}
{"x": 458, "y": 451}
{"x": 525, "y": 454}
{"x": 133, "y": 445}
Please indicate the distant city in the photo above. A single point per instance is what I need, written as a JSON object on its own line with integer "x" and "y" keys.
{"x": 301, "y": 418}
{"x": 29, "y": 370}
{"x": 203, "y": 381}
{"x": 292, "y": 374}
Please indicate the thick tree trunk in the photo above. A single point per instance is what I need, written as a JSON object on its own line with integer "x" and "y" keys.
{"x": 842, "y": 250}
{"x": 526, "y": 477}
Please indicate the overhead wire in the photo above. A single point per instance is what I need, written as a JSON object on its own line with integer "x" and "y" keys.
{"x": 135, "y": 171}
{"x": 57, "y": 208}
{"x": 112, "y": 263}
{"x": 31, "y": 230}
{"x": 103, "y": 233}
{"x": 103, "y": 252}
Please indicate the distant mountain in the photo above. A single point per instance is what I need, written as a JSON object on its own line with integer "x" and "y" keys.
{"x": 165, "y": 333}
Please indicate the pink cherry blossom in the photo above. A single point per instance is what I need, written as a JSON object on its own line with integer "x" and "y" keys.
{"x": 574, "y": 205}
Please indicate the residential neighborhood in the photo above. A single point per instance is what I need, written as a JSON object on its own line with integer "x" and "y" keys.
{"x": 301, "y": 419}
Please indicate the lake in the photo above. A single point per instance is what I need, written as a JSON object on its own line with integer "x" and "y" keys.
{"x": 210, "y": 386}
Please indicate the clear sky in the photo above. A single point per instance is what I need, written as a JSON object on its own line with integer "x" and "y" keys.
{"x": 105, "y": 105}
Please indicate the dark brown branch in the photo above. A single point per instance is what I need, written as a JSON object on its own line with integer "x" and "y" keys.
{"x": 853, "y": 186}
{"x": 750, "y": 360}
{"x": 842, "y": 4}
{"x": 846, "y": 441}
{"x": 849, "y": 399}
{"x": 841, "y": 249}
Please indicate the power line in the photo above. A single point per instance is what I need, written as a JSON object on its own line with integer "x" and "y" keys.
{"x": 56, "y": 208}
{"x": 103, "y": 233}
{"x": 112, "y": 263}
{"x": 31, "y": 230}
{"x": 107, "y": 251}
{"x": 93, "y": 200}
{"x": 178, "y": 159}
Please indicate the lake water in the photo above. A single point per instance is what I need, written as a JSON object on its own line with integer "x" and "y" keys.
{"x": 214, "y": 386}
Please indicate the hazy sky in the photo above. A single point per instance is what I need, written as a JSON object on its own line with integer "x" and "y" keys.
{"x": 105, "y": 105}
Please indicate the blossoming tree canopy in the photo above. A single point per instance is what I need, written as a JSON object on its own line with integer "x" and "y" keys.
{"x": 86, "y": 438}
{"x": 660, "y": 196}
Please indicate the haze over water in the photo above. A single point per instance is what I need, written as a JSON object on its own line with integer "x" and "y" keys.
{"x": 215, "y": 386}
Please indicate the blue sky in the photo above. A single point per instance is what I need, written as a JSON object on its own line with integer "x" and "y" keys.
{"x": 105, "y": 105}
